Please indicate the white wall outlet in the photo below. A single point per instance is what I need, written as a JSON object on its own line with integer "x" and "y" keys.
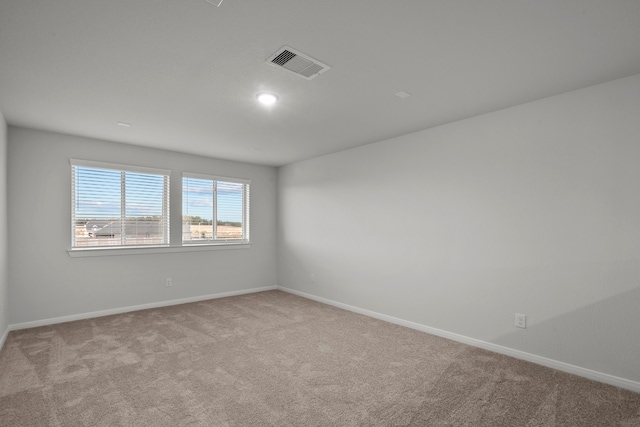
{"x": 312, "y": 277}
{"x": 521, "y": 321}
{"x": 169, "y": 282}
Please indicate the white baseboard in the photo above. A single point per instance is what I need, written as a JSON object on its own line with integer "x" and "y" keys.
{"x": 4, "y": 338}
{"x": 45, "y": 322}
{"x": 544, "y": 361}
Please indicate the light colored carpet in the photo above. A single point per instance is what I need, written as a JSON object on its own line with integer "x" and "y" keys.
{"x": 275, "y": 359}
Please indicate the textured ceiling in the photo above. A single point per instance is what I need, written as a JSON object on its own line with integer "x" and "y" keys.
{"x": 185, "y": 73}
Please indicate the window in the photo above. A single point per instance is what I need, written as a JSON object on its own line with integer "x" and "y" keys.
{"x": 215, "y": 210}
{"x": 116, "y": 205}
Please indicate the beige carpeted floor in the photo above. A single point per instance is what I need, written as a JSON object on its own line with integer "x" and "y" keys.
{"x": 275, "y": 359}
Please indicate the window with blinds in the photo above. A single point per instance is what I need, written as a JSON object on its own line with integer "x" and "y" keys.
{"x": 215, "y": 210}
{"x": 115, "y": 205}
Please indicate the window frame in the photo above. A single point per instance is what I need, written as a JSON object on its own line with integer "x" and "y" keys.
{"x": 246, "y": 208}
{"x": 166, "y": 204}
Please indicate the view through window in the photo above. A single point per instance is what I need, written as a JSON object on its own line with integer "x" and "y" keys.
{"x": 119, "y": 206}
{"x": 214, "y": 210}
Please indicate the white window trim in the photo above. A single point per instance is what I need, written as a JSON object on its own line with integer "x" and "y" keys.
{"x": 128, "y": 168}
{"x": 216, "y": 178}
{"x": 98, "y": 251}
{"x": 105, "y": 250}
{"x": 245, "y": 209}
{"x": 143, "y": 250}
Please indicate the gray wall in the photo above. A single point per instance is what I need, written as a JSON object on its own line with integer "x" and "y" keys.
{"x": 4, "y": 274}
{"x": 46, "y": 283}
{"x": 533, "y": 209}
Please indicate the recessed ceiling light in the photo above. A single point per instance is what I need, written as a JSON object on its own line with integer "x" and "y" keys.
{"x": 267, "y": 98}
{"x": 402, "y": 95}
{"x": 124, "y": 125}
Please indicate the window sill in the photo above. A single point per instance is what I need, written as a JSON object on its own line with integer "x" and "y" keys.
{"x": 93, "y": 252}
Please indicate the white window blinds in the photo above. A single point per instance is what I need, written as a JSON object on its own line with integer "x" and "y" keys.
{"x": 115, "y": 205}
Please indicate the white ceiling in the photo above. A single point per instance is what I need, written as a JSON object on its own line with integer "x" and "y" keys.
{"x": 185, "y": 73}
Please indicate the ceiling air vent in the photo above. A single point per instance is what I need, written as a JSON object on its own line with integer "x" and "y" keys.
{"x": 297, "y": 63}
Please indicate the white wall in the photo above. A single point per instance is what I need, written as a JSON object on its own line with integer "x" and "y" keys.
{"x": 4, "y": 274}
{"x": 533, "y": 209}
{"x": 46, "y": 283}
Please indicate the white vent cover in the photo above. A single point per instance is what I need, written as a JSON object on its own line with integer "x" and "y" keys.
{"x": 297, "y": 63}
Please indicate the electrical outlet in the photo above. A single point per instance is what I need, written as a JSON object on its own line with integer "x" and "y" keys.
{"x": 521, "y": 321}
{"x": 312, "y": 277}
{"x": 169, "y": 282}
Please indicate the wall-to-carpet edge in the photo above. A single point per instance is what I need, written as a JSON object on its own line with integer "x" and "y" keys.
{"x": 45, "y": 322}
{"x": 544, "y": 361}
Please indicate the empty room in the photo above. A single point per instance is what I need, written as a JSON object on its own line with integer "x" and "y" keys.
{"x": 319, "y": 213}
